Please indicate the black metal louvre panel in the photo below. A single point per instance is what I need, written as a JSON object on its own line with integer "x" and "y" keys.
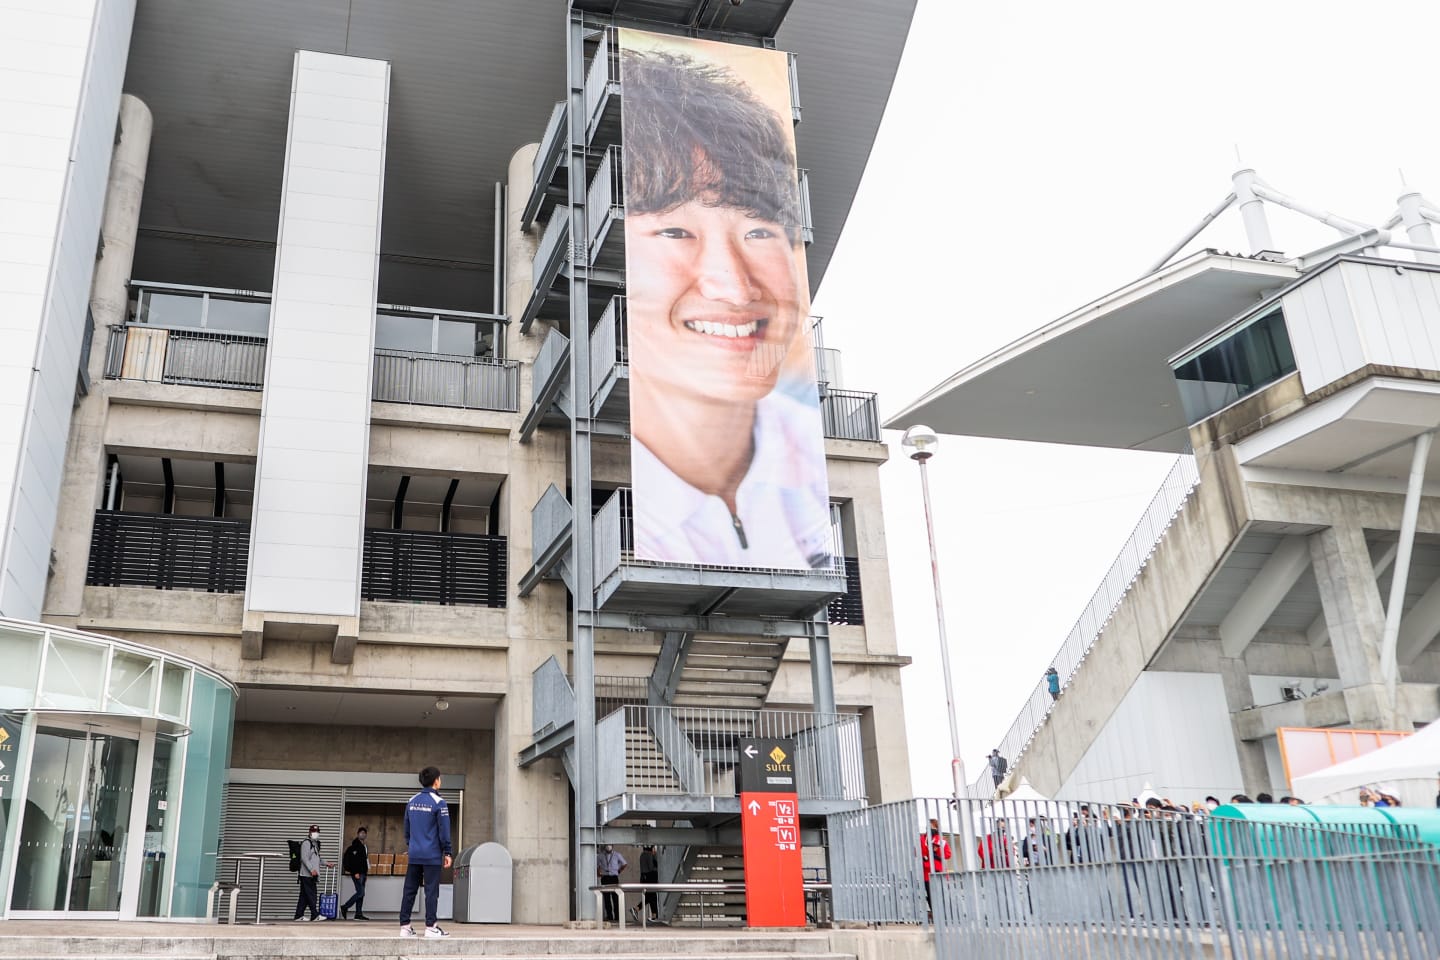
{"x": 849, "y": 607}
{"x": 411, "y": 566}
{"x": 168, "y": 552}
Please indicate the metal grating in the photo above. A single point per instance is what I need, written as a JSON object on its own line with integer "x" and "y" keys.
{"x": 849, "y": 607}
{"x": 168, "y": 552}
{"x": 409, "y": 566}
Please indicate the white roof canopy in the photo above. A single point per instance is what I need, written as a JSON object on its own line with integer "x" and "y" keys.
{"x": 1100, "y": 375}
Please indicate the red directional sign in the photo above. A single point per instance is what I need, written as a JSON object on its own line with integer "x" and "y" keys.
{"x": 770, "y": 831}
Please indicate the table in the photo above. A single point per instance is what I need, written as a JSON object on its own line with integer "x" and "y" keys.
{"x": 260, "y": 857}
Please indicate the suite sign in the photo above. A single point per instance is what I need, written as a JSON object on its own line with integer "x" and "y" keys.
{"x": 770, "y": 830}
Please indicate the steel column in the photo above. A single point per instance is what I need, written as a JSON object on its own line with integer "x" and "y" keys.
{"x": 1389, "y": 669}
{"x": 582, "y": 555}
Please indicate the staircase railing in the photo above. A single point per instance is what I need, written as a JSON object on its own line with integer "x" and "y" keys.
{"x": 1166, "y": 505}
{"x": 829, "y": 764}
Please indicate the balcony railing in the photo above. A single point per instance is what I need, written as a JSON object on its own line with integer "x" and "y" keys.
{"x": 413, "y": 566}
{"x": 440, "y": 380}
{"x": 703, "y": 749}
{"x": 609, "y": 345}
{"x": 850, "y": 415}
{"x": 849, "y": 608}
{"x": 205, "y": 358}
{"x": 167, "y": 552}
{"x": 605, "y": 198}
{"x": 603, "y": 76}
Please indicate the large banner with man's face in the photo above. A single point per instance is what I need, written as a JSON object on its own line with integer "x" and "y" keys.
{"x": 728, "y": 451}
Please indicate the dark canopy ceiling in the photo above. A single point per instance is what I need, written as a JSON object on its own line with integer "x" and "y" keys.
{"x": 471, "y": 82}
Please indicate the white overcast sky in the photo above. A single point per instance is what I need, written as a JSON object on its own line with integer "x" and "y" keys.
{"x": 1034, "y": 157}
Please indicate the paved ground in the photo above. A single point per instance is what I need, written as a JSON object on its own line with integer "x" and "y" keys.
{"x": 350, "y": 930}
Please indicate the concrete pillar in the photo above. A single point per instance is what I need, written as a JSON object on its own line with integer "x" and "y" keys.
{"x": 1355, "y": 619}
{"x": 109, "y": 295}
{"x": 1239, "y": 695}
{"x": 307, "y": 524}
{"x": 532, "y": 806}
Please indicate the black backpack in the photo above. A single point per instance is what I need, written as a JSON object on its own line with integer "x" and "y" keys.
{"x": 294, "y": 855}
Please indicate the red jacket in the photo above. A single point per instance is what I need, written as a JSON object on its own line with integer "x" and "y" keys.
{"x": 934, "y": 851}
{"x": 994, "y": 854}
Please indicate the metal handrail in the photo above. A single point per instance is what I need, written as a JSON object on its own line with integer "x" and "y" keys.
{"x": 446, "y": 380}
{"x": 850, "y": 415}
{"x": 1164, "y": 507}
{"x": 829, "y": 762}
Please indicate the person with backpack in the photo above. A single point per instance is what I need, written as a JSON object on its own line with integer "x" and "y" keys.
{"x": 356, "y": 863}
{"x": 305, "y": 860}
{"x": 998, "y": 766}
{"x": 427, "y": 837}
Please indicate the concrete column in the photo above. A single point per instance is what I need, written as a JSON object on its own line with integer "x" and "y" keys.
{"x": 1355, "y": 619}
{"x": 1239, "y": 695}
{"x": 306, "y": 529}
{"x": 532, "y": 809}
{"x": 109, "y": 294}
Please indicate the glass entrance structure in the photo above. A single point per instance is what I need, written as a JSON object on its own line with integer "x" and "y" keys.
{"x": 112, "y": 761}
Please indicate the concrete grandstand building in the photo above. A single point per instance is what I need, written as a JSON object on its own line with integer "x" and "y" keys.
{"x": 312, "y": 380}
{"x": 1287, "y": 573}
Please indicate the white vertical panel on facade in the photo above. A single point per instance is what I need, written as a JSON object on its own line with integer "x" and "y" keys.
{"x": 308, "y": 521}
{"x": 62, "y": 64}
{"x": 1171, "y": 732}
{"x": 1395, "y": 314}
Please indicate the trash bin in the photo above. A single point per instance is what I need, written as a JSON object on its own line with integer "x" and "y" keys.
{"x": 483, "y": 884}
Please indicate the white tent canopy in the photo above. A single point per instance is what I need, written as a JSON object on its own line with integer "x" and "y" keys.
{"x": 1408, "y": 768}
{"x": 1025, "y": 792}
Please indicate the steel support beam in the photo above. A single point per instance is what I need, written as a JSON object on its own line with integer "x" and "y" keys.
{"x": 582, "y": 527}
{"x": 689, "y": 623}
{"x": 1409, "y": 516}
{"x": 1276, "y": 578}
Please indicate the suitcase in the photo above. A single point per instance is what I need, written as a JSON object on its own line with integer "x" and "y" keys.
{"x": 329, "y": 883}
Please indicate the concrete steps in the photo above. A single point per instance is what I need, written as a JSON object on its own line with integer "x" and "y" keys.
{"x": 729, "y": 672}
{"x": 273, "y": 943}
{"x": 721, "y": 907}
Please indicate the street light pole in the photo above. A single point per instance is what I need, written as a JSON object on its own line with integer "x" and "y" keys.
{"x": 921, "y": 441}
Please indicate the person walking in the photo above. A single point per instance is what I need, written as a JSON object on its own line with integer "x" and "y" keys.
{"x": 310, "y": 864}
{"x": 1052, "y": 683}
{"x": 649, "y": 873}
{"x": 356, "y": 864}
{"x": 427, "y": 838}
{"x": 998, "y": 766}
{"x": 609, "y": 864}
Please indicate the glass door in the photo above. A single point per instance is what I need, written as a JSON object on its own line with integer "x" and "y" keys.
{"x": 75, "y": 824}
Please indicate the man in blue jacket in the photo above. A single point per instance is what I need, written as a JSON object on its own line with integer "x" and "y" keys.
{"x": 427, "y": 835}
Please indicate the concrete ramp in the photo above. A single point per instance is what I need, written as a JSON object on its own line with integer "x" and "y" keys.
{"x": 1154, "y": 603}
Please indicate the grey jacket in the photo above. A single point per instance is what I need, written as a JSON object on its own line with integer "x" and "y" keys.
{"x": 310, "y": 856}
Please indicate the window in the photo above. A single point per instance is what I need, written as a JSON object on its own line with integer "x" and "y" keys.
{"x": 218, "y": 312}
{"x": 1237, "y": 365}
{"x": 437, "y": 333}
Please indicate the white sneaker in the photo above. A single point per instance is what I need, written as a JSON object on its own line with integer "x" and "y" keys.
{"x": 407, "y": 931}
{"x": 434, "y": 932}
{"x": 320, "y": 917}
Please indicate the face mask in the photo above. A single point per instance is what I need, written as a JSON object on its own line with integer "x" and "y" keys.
{"x": 934, "y": 831}
{"x": 314, "y": 836}
{"x": 362, "y": 838}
